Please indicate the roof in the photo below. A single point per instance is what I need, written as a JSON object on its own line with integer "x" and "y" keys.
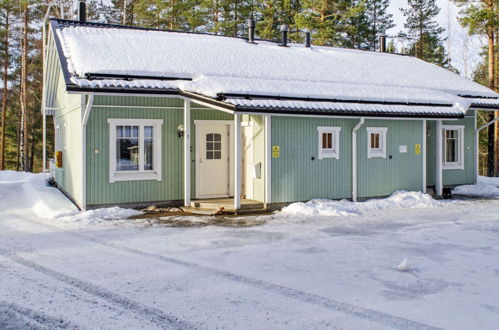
{"x": 260, "y": 77}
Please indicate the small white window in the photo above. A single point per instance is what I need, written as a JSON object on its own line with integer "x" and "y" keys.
{"x": 453, "y": 147}
{"x": 329, "y": 142}
{"x": 376, "y": 142}
{"x": 135, "y": 149}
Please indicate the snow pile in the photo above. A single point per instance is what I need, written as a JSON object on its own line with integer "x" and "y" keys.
{"x": 486, "y": 187}
{"x": 398, "y": 200}
{"x": 49, "y": 202}
{"x": 97, "y": 215}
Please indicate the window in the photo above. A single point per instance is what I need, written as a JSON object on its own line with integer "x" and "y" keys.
{"x": 329, "y": 142}
{"x": 135, "y": 149}
{"x": 376, "y": 142}
{"x": 213, "y": 146}
{"x": 453, "y": 147}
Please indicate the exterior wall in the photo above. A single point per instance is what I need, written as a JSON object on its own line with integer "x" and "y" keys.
{"x": 453, "y": 177}
{"x": 259, "y": 156}
{"x": 299, "y": 175}
{"x": 99, "y": 190}
{"x": 69, "y": 121}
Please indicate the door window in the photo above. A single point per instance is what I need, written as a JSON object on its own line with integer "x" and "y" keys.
{"x": 213, "y": 146}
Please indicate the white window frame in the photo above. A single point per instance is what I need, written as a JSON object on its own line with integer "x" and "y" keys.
{"x": 334, "y": 152}
{"x": 141, "y": 174}
{"x": 459, "y": 165}
{"x": 372, "y": 152}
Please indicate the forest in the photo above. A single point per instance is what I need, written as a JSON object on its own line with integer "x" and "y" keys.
{"x": 339, "y": 23}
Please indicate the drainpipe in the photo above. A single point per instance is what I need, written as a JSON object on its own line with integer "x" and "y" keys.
{"x": 477, "y": 135}
{"x": 86, "y": 115}
{"x": 354, "y": 158}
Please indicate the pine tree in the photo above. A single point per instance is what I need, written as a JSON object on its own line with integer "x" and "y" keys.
{"x": 378, "y": 21}
{"x": 424, "y": 32}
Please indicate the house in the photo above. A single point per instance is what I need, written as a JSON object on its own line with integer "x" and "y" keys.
{"x": 146, "y": 116}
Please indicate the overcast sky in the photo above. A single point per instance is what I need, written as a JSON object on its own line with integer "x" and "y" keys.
{"x": 464, "y": 50}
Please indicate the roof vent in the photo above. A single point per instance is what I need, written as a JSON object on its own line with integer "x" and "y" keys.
{"x": 82, "y": 11}
{"x": 284, "y": 35}
{"x": 382, "y": 44}
{"x": 307, "y": 38}
{"x": 251, "y": 30}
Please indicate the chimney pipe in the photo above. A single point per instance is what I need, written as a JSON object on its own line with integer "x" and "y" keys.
{"x": 284, "y": 35}
{"x": 307, "y": 39}
{"x": 251, "y": 30}
{"x": 82, "y": 11}
{"x": 382, "y": 44}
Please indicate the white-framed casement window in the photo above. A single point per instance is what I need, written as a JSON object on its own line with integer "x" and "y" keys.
{"x": 376, "y": 142}
{"x": 453, "y": 147}
{"x": 135, "y": 149}
{"x": 329, "y": 142}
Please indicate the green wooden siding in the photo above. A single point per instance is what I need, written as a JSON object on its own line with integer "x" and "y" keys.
{"x": 453, "y": 177}
{"x": 299, "y": 175}
{"x": 99, "y": 190}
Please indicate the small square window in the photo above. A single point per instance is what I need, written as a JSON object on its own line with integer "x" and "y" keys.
{"x": 329, "y": 142}
{"x": 376, "y": 142}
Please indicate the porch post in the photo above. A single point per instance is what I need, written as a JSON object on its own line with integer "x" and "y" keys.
{"x": 423, "y": 151}
{"x": 44, "y": 139}
{"x": 187, "y": 152}
{"x": 268, "y": 159}
{"x": 438, "y": 174}
{"x": 237, "y": 161}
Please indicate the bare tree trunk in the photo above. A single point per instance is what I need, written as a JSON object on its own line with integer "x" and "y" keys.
{"x": 496, "y": 83}
{"x": 5, "y": 88}
{"x": 24, "y": 94}
{"x": 491, "y": 128}
{"x": 125, "y": 2}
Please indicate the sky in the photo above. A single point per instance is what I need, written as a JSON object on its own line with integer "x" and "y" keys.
{"x": 463, "y": 49}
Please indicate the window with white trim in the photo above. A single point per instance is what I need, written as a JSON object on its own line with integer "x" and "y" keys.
{"x": 453, "y": 147}
{"x": 329, "y": 142}
{"x": 135, "y": 149}
{"x": 376, "y": 142}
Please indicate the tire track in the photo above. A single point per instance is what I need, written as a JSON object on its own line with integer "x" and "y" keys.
{"x": 157, "y": 316}
{"x": 31, "y": 319}
{"x": 384, "y": 319}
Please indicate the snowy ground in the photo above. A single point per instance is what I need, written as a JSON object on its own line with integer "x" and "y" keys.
{"x": 301, "y": 270}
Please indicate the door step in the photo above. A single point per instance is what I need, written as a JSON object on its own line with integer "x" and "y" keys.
{"x": 202, "y": 210}
{"x": 227, "y": 204}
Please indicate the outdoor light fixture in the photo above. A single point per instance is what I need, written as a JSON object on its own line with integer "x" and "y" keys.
{"x": 180, "y": 130}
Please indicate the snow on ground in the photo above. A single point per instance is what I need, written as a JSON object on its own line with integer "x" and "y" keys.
{"x": 295, "y": 271}
{"x": 486, "y": 187}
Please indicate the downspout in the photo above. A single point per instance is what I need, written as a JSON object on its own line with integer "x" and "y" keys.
{"x": 477, "y": 135}
{"x": 84, "y": 121}
{"x": 354, "y": 158}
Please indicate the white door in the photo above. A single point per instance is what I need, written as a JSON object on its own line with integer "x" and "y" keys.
{"x": 212, "y": 143}
{"x": 247, "y": 161}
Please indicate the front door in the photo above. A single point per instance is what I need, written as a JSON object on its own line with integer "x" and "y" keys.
{"x": 212, "y": 143}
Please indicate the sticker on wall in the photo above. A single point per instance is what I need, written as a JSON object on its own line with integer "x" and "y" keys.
{"x": 417, "y": 149}
{"x": 276, "y": 152}
{"x": 402, "y": 149}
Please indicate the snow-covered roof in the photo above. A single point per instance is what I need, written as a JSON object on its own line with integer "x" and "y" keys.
{"x": 215, "y": 66}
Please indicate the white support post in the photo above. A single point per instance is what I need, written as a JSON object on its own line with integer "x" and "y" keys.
{"x": 187, "y": 152}
{"x": 44, "y": 139}
{"x": 268, "y": 159}
{"x": 423, "y": 151}
{"x": 85, "y": 116}
{"x": 237, "y": 161}
{"x": 438, "y": 174}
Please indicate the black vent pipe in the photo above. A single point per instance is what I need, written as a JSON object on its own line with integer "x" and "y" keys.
{"x": 82, "y": 11}
{"x": 382, "y": 43}
{"x": 307, "y": 39}
{"x": 251, "y": 30}
{"x": 284, "y": 35}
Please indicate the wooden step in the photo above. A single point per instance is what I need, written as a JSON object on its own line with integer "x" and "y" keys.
{"x": 227, "y": 204}
{"x": 202, "y": 210}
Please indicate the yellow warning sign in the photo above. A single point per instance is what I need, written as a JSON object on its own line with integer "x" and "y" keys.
{"x": 276, "y": 152}
{"x": 417, "y": 149}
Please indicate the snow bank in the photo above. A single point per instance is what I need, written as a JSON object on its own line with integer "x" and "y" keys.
{"x": 48, "y": 202}
{"x": 398, "y": 200}
{"x": 486, "y": 187}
